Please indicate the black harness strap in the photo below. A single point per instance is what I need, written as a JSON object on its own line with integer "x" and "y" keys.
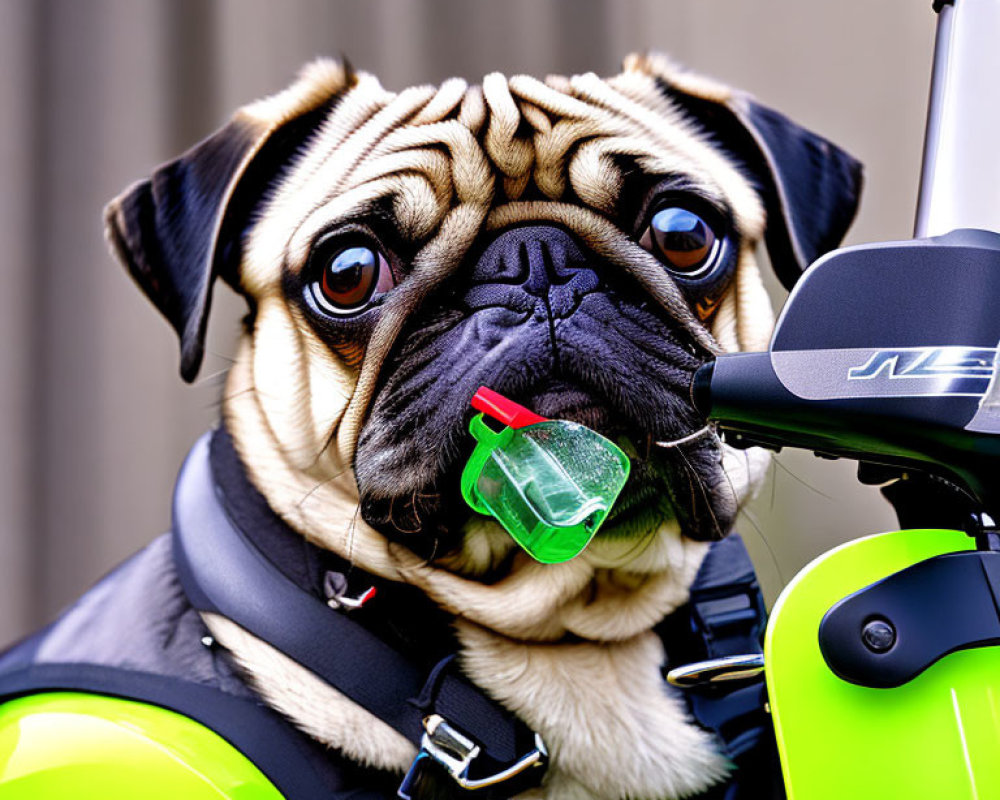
{"x": 726, "y": 616}
{"x": 223, "y": 572}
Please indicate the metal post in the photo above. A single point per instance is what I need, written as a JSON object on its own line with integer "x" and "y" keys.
{"x": 960, "y": 180}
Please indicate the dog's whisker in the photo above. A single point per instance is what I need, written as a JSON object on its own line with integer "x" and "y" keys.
{"x": 725, "y": 473}
{"x": 317, "y": 487}
{"x": 221, "y": 400}
{"x": 772, "y": 469}
{"x": 800, "y": 479}
{"x": 239, "y": 393}
{"x": 695, "y": 480}
{"x": 222, "y": 356}
{"x": 246, "y": 390}
{"x": 322, "y": 452}
{"x": 746, "y": 513}
{"x": 332, "y": 437}
{"x": 396, "y": 525}
{"x": 698, "y": 434}
{"x": 205, "y": 379}
{"x": 755, "y": 524}
{"x": 352, "y": 534}
{"x": 416, "y": 512}
{"x": 435, "y": 544}
{"x": 641, "y": 545}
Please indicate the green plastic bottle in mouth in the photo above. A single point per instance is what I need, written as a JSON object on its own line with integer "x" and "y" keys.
{"x": 549, "y": 483}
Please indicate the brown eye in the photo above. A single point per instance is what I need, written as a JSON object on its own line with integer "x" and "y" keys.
{"x": 350, "y": 277}
{"x": 682, "y": 240}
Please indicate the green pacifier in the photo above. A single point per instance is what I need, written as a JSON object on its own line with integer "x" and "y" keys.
{"x": 550, "y": 483}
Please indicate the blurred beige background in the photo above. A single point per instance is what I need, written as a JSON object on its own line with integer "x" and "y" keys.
{"x": 96, "y": 92}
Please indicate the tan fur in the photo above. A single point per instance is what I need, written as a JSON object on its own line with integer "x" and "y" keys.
{"x": 612, "y": 729}
{"x": 456, "y": 160}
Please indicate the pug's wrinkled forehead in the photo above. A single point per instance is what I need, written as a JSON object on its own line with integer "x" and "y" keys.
{"x": 484, "y": 157}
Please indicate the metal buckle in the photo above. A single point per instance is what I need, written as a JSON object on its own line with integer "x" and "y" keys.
{"x": 717, "y": 670}
{"x": 456, "y": 752}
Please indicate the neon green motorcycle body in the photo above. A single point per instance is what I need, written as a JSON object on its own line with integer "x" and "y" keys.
{"x": 92, "y": 747}
{"x": 937, "y": 736}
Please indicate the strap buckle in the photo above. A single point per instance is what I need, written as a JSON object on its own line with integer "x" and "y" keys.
{"x": 455, "y": 752}
{"x": 717, "y": 670}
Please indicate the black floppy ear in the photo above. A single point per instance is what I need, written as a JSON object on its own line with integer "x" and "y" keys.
{"x": 810, "y": 187}
{"x": 173, "y": 231}
{"x": 180, "y": 228}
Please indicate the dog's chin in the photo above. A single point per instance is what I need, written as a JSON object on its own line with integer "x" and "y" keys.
{"x": 681, "y": 486}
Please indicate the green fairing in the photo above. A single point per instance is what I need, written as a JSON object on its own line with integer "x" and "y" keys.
{"x": 91, "y": 747}
{"x": 934, "y": 738}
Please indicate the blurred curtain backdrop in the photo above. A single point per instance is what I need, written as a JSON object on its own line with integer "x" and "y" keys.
{"x": 96, "y": 92}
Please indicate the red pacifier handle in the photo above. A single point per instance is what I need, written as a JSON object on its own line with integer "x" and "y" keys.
{"x": 508, "y": 412}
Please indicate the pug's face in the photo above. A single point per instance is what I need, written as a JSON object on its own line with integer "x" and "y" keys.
{"x": 580, "y": 245}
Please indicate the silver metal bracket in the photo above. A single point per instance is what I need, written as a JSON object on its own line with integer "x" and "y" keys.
{"x": 455, "y": 752}
{"x": 717, "y": 670}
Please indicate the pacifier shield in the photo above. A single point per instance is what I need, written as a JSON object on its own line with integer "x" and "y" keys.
{"x": 550, "y": 483}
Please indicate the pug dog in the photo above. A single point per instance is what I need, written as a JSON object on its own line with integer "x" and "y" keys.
{"x": 581, "y": 245}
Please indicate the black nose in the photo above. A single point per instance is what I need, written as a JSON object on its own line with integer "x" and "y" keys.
{"x": 540, "y": 268}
